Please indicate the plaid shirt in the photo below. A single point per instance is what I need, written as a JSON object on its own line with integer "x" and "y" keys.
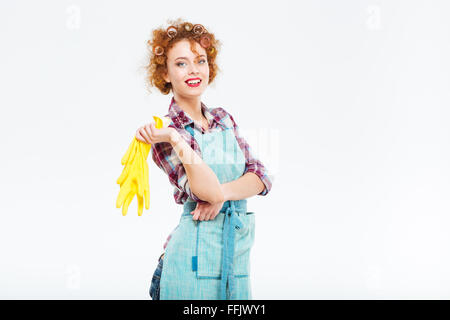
{"x": 166, "y": 158}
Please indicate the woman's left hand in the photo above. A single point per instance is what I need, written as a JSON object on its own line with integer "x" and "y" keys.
{"x": 206, "y": 211}
{"x": 151, "y": 135}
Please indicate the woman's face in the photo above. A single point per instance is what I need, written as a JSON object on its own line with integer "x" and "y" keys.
{"x": 184, "y": 65}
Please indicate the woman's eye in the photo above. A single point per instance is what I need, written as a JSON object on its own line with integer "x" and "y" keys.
{"x": 202, "y": 60}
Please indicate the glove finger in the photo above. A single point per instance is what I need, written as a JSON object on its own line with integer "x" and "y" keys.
{"x": 127, "y": 203}
{"x": 123, "y": 192}
{"x": 162, "y": 122}
{"x": 130, "y": 195}
{"x": 124, "y": 174}
{"x": 128, "y": 166}
{"x": 121, "y": 197}
{"x": 158, "y": 122}
{"x": 140, "y": 205}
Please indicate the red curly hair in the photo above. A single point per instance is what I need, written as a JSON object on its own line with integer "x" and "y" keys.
{"x": 165, "y": 38}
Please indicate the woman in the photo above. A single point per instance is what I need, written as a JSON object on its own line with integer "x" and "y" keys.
{"x": 212, "y": 169}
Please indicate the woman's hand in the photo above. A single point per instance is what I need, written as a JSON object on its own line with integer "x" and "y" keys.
{"x": 149, "y": 134}
{"x": 206, "y": 211}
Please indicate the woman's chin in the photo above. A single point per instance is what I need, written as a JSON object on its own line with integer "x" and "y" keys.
{"x": 195, "y": 92}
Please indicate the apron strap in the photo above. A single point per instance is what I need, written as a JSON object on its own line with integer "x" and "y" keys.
{"x": 231, "y": 223}
{"x": 191, "y": 131}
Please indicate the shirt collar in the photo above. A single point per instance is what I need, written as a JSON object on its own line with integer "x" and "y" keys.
{"x": 181, "y": 119}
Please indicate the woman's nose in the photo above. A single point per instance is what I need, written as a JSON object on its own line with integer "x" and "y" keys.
{"x": 194, "y": 69}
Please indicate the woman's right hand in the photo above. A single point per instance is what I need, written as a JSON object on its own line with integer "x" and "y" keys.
{"x": 205, "y": 211}
{"x": 150, "y": 135}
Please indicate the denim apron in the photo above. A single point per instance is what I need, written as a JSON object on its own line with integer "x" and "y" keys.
{"x": 210, "y": 260}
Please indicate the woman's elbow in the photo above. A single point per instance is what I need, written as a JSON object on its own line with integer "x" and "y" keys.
{"x": 219, "y": 198}
{"x": 214, "y": 198}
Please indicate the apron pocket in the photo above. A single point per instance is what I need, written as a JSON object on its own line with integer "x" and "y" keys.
{"x": 210, "y": 246}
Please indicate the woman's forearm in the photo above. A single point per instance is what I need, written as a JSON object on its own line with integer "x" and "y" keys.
{"x": 244, "y": 187}
{"x": 202, "y": 179}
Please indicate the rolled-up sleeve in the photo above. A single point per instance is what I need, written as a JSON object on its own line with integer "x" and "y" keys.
{"x": 252, "y": 164}
{"x": 167, "y": 160}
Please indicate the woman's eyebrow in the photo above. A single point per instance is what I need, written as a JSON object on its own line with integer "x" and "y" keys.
{"x": 188, "y": 59}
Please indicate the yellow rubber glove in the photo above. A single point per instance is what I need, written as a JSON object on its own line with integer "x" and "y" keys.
{"x": 134, "y": 177}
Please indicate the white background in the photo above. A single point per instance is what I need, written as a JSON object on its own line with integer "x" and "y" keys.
{"x": 346, "y": 102}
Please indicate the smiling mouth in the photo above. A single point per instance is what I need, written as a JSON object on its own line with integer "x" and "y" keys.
{"x": 194, "y": 83}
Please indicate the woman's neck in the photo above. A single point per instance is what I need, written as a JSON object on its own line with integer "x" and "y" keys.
{"x": 192, "y": 106}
